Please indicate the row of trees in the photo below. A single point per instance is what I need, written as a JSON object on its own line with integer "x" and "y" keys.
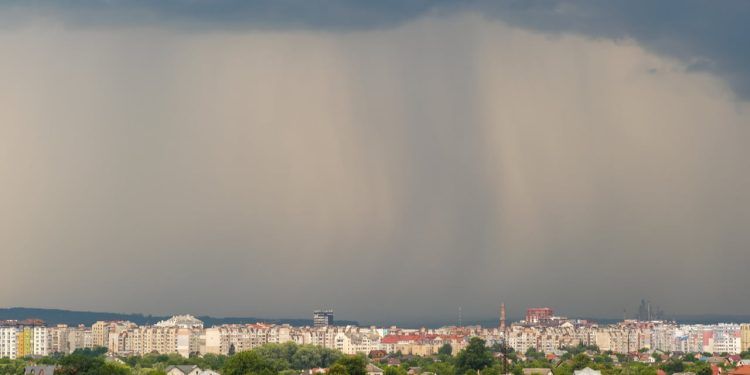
{"x": 486, "y": 360}
{"x": 258, "y": 362}
{"x": 290, "y": 358}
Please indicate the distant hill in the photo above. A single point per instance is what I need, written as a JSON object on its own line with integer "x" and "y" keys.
{"x": 681, "y": 319}
{"x": 57, "y": 316}
{"x": 711, "y": 319}
{"x": 688, "y": 319}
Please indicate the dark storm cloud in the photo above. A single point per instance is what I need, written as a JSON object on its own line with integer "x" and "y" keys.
{"x": 323, "y": 14}
{"x": 392, "y": 159}
{"x": 706, "y": 35}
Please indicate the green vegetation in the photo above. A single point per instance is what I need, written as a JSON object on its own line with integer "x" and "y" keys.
{"x": 290, "y": 359}
{"x": 445, "y": 350}
{"x": 476, "y": 356}
{"x": 267, "y": 359}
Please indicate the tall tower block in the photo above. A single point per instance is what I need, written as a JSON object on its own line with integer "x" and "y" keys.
{"x": 502, "y": 316}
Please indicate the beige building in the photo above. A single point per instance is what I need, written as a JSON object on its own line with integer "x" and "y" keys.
{"x": 745, "y": 336}
{"x": 107, "y": 334}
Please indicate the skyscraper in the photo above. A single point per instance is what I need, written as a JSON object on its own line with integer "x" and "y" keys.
{"x": 502, "y": 316}
{"x": 323, "y": 318}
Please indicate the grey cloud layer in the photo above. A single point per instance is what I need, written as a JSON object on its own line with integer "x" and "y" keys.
{"x": 707, "y": 36}
{"x": 394, "y": 173}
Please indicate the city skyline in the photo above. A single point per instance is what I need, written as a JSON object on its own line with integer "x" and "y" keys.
{"x": 541, "y": 331}
{"x": 645, "y": 312}
{"x": 397, "y": 160}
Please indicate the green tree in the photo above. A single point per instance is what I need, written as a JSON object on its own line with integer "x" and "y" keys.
{"x": 354, "y": 364}
{"x": 637, "y": 368}
{"x": 581, "y": 361}
{"x": 248, "y": 362}
{"x": 393, "y": 370}
{"x": 337, "y": 369}
{"x": 441, "y": 368}
{"x": 495, "y": 369}
{"x": 532, "y": 354}
{"x": 214, "y": 361}
{"x": 89, "y": 362}
{"x": 563, "y": 369}
{"x": 700, "y": 368}
{"x": 476, "y": 356}
{"x": 446, "y": 349}
{"x": 671, "y": 366}
{"x": 689, "y": 357}
{"x": 306, "y": 357}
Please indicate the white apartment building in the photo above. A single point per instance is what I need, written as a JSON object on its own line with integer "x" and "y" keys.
{"x": 17, "y": 340}
{"x": 726, "y": 339}
{"x": 8, "y": 342}
{"x": 40, "y": 341}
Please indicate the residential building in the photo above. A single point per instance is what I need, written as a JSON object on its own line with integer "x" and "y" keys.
{"x": 39, "y": 370}
{"x": 744, "y": 337}
{"x": 537, "y": 315}
{"x": 188, "y": 370}
{"x": 587, "y": 371}
{"x": 323, "y": 318}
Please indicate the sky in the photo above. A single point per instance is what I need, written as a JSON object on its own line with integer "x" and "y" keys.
{"x": 393, "y": 160}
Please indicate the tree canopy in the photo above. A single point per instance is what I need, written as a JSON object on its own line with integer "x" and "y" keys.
{"x": 476, "y": 356}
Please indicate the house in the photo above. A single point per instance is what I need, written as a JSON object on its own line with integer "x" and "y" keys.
{"x": 313, "y": 371}
{"x": 537, "y": 371}
{"x": 373, "y": 370}
{"x": 188, "y": 370}
{"x": 377, "y": 354}
{"x": 717, "y": 360}
{"x": 587, "y": 371}
{"x": 39, "y": 370}
{"x": 742, "y": 370}
{"x": 183, "y": 370}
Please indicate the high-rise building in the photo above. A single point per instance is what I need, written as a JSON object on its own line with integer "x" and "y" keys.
{"x": 323, "y": 318}
{"x": 8, "y": 342}
{"x": 536, "y": 315}
{"x": 24, "y": 338}
{"x": 106, "y": 333}
{"x": 502, "y": 316}
{"x": 745, "y": 336}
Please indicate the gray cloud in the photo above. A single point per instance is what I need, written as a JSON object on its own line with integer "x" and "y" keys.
{"x": 706, "y": 36}
{"x": 394, "y": 172}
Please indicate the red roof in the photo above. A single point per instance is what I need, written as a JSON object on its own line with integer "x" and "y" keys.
{"x": 742, "y": 370}
{"x": 395, "y": 339}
